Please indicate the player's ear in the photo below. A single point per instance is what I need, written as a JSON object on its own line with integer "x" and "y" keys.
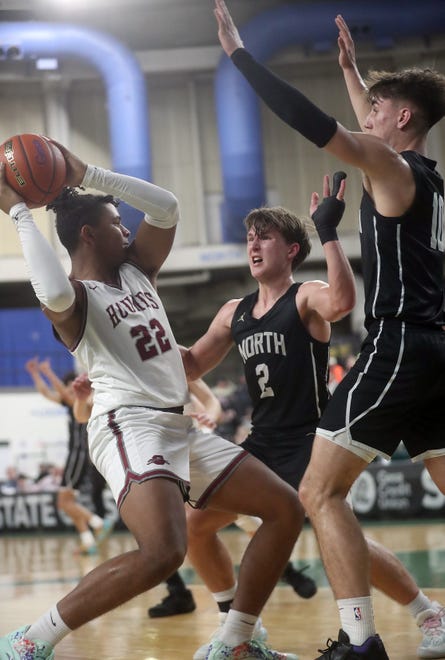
{"x": 87, "y": 233}
{"x": 405, "y": 114}
{"x": 294, "y": 249}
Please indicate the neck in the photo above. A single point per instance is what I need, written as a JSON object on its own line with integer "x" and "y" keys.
{"x": 413, "y": 143}
{"x": 270, "y": 292}
{"x": 88, "y": 268}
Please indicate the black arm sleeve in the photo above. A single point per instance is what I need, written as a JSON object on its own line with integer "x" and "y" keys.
{"x": 286, "y": 101}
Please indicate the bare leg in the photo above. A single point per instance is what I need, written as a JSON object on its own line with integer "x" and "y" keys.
{"x": 206, "y": 551}
{"x": 154, "y": 513}
{"x": 389, "y": 575}
{"x": 255, "y": 490}
{"x": 331, "y": 472}
{"x": 436, "y": 468}
{"x": 66, "y": 502}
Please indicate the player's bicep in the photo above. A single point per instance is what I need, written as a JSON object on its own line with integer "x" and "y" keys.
{"x": 68, "y": 324}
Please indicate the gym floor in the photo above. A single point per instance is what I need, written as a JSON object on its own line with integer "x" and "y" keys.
{"x": 36, "y": 570}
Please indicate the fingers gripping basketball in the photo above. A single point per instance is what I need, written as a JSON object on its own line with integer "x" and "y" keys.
{"x": 34, "y": 167}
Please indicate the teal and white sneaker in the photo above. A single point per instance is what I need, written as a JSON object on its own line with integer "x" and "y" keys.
{"x": 104, "y": 532}
{"x": 259, "y": 634}
{"x": 15, "y": 646}
{"x": 432, "y": 624}
{"x": 252, "y": 650}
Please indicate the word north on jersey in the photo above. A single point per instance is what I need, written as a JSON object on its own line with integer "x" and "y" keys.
{"x": 262, "y": 342}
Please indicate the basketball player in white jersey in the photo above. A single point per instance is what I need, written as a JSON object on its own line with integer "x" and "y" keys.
{"x": 109, "y": 315}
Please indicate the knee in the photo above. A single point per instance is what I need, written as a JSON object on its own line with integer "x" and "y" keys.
{"x": 63, "y": 499}
{"x": 317, "y": 492}
{"x": 311, "y": 497}
{"x": 200, "y": 524}
{"x": 288, "y": 510}
{"x": 170, "y": 562}
{"x": 163, "y": 565}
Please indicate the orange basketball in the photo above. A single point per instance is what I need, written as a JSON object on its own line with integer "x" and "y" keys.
{"x": 34, "y": 167}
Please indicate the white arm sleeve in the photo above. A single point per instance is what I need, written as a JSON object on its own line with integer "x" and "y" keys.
{"x": 48, "y": 278}
{"x": 160, "y": 206}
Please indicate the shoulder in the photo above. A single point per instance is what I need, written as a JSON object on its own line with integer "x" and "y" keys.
{"x": 227, "y": 311}
{"x": 308, "y": 289}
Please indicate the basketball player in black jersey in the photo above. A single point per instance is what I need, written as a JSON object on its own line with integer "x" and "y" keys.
{"x": 282, "y": 332}
{"x": 78, "y": 470}
{"x": 396, "y": 389}
{"x": 286, "y": 369}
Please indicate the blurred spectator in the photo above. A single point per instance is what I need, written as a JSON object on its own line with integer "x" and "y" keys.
{"x": 336, "y": 373}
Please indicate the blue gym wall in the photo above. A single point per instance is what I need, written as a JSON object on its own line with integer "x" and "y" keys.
{"x": 24, "y": 334}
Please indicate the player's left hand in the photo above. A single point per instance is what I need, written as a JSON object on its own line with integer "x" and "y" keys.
{"x": 227, "y": 31}
{"x": 327, "y": 215}
{"x": 75, "y": 167}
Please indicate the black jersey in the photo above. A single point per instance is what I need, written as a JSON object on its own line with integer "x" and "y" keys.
{"x": 78, "y": 460}
{"x": 402, "y": 257}
{"x": 286, "y": 369}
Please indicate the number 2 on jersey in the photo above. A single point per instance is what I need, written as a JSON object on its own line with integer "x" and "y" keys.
{"x": 262, "y": 371}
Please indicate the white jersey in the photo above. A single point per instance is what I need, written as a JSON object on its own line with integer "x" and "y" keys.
{"x": 127, "y": 345}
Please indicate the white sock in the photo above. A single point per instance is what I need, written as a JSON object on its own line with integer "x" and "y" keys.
{"x": 49, "y": 628}
{"x": 87, "y": 539}
{"x": 96, "y": 522}
{"x": 225, "y": 596}
{"x": 357, "y": 618}
{"x": 419, "y": 604}
{"x": 238, "y": 628}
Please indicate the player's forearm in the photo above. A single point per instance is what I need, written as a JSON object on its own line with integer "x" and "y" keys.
{"x": 82, "y": 410}
{"x": 160, "y": 205}
{"x": 342, "y": 292}
{"x": 43, "y": 389}
{"x": 60, "y": 387}
{"x": 206, "y": 398}
{"x": 48, "y": 278}
{"x": 286, "y": 101}
{"x": 357, "y": 92}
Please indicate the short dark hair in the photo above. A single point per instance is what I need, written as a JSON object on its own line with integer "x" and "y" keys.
{"x": 69, "y": 377}
{"x": 291, "y": 227}
{"x": 74, "y": 210}
{"x": 425, "y": 88}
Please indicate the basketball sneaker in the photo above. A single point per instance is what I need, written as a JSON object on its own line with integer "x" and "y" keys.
{"x": 252, "y": 650}
{"x": 372, "y": 649}
{"x": 104, "y": 532}
{"x": 178, "y": 601}
{"x": 15, "y": 646}
{"x": 259, "y": 634}
{"x": 432, "y": 624}
{"x": 86, "y": 550}
{"x": 302, "y": 584}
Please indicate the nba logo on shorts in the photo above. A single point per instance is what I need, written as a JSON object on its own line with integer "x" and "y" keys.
{"x": 357, "y": 614}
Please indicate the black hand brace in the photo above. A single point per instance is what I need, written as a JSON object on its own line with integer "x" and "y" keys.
{"x": 328, "y": 215}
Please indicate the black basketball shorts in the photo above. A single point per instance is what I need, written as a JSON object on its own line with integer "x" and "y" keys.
{"x": 395, "y": 392}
